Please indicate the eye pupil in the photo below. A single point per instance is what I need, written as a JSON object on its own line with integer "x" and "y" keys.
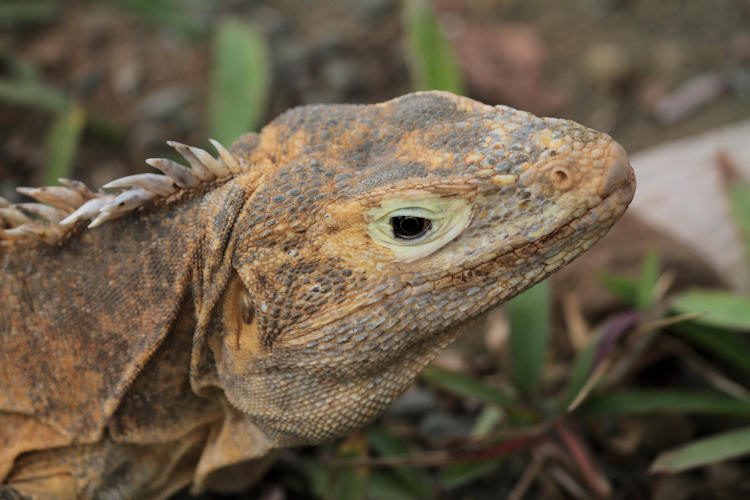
{"x": 407, "y": 227}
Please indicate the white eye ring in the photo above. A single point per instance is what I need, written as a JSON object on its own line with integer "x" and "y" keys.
{"x": 441, "y": 219}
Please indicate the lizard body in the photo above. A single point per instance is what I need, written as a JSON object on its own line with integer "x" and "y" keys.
{"x": 281, "y": 294}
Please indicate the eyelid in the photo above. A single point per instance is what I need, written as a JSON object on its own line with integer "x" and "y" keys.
{"x": 414, "y": 212}
{"x": 428, "y": 207}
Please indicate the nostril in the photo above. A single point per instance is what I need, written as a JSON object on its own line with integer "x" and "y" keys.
{"x": 561, "y": 178}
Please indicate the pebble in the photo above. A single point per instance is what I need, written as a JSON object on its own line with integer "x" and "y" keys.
{"x": 413, "y": 404}
{"x": 439, "y": 425}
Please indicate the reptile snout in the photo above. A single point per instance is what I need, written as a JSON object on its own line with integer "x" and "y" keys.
{"x": 618, "y": 171}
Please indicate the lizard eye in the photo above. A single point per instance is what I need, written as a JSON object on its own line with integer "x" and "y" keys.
{"x": 418, "y": 225}
{"x": 408, "y": 227}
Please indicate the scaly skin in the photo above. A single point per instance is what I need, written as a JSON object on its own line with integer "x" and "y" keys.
{"x": 282, "y": 303}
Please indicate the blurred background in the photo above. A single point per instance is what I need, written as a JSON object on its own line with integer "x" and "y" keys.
{"x": 626, "y": 376}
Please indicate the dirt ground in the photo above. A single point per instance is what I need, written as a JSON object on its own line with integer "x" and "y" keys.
{"x": 646, "y": 72}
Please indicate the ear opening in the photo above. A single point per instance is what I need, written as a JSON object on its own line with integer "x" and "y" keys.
{"x": 239, "y": 319}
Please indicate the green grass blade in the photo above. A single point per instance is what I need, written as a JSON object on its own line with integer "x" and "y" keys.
{"x": 383, "y": 485}
{"x": 32, "y": 94}
{"x": 637, "y": 292}
{"x": 463, "y": 385}
{"x": 648, "y": 279}
{"x": 62, "y": 143}
{"x": 581, "y": 370}
{"x": 641, "y": 401}
{"x": 739, "y": 201}
{"x": 416, "y": 480}
{"x": 176, "y": 15}
{"x": 431, "y": 56}
{"x": 461, "y": 473}
{"x": 350, "y": 483}
{"x": 318, "y": 476}
{"x": 622, "y": 287}
{"x": 730, "y": 346}
{"x": 529, "y": 316}
{"x": 240, "y": 81}
{"x": 487, "y": 421}
{"x": 723, "y": 309}
{"x": 724, "y": 446}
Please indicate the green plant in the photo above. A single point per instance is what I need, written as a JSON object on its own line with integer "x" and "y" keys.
{"x": 431, "y": 57}
{"x": 22, "y": 86}
{"x": 240, "y": 80}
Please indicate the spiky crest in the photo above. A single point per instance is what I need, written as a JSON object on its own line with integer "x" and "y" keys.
{"x": 60, "y": 208}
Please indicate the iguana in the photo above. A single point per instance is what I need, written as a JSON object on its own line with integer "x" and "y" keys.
{"x": 280, "y": 294}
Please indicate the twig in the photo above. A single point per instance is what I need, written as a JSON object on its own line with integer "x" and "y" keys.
{"x": 578, "y": 329}
{"x": 664, "y": 322}
{"x": 644, "y": 336}
{"x": 477, "y": 451}
{"x": 590, "y": 383}
{"x": 717, "y": 379}
{"x": 662, "y": 286}
{"x": 564, "y": 479}
{"x": 728, "y": 168}
{"x": 527, "y": 478}
{"x": 597, "y": 482}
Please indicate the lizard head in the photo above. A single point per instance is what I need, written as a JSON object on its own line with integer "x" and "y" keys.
{"x": 378, "y": 230}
